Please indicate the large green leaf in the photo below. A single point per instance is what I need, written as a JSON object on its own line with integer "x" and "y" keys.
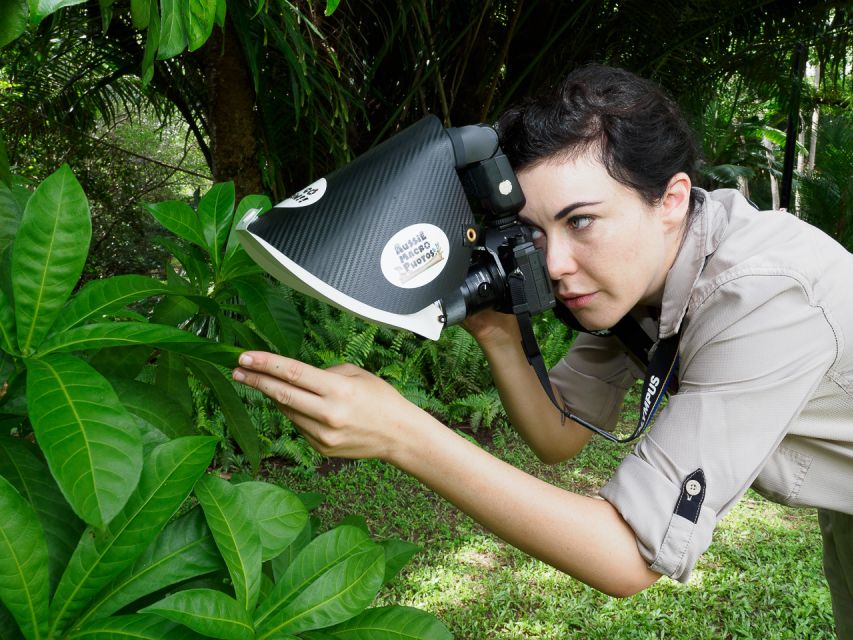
{"x": 48, "y": 256}
{"x": 171, "y": 378}
{"x": 143, "y": 626}
{"x": 140, "y": 13}
{"x": 317, "y": 558}
{"x": 210, "y": 613}
{"x": 337, "y": 595}
{"x": 152, "y": 42}
{"x": 198, "y": 21}
{"x": 89, "y": 440}
{"x": 184, "y": 549}
{"x": 239, "y": 422}
{"x": 397, "y": 554}
{"x": 104, "y": 297}
{"x": 274, "y": 317}
{"x": 390, "y": 623}
{"x": 121, "y": 362}
{"x": 236, "y": 536}
{"x": 149, "y": 403}
{"x": 216, "y": 211}
{"x": 180, "y": 219}
{"x": 167, "y": 479}
{"x": 13, "y": 22}
{"x": 23, "y": 563}
{"x": 123, "y": 334}
{"x": 278, "y": 513}
{"x": 28, "y": 473}
{"x": 281, "y": 563}
{"x": 173, "y": 35}
{"x": 8, "y": 338}
{"x": 40, "y": 9}
{"x": 13, "y": 201}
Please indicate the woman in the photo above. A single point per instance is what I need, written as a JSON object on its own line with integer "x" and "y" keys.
{"x": 761, "y": 304}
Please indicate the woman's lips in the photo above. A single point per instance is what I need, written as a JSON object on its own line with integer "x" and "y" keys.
{"x": 578, "y": 301}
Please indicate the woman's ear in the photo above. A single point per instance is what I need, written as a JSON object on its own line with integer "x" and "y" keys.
{"x": 676, "y": 200}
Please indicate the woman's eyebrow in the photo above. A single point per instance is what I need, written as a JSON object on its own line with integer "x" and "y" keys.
{"x": 562, "y": 213}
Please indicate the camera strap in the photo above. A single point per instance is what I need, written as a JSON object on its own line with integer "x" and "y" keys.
{"x": 661, "y": 359}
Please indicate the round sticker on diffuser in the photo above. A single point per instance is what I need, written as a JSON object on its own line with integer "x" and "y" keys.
{"x": 306, "y": 196}
{"x": 415, "y": 256}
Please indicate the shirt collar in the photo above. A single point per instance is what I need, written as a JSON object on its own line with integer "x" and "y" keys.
{"x": 700, "y": 241}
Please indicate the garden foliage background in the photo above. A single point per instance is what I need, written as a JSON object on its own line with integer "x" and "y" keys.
{"x": 134, "y": 133}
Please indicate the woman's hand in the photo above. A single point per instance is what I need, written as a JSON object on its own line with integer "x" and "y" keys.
{"x": 342, "y": 411}
{"x": 492, "y": 328}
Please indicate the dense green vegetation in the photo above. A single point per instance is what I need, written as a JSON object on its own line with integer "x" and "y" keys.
{"x": 135, "y": 133}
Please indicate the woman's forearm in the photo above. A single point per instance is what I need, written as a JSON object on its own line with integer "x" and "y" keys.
{"x": 582, "y": 536}
{"x": 528, "y": 407}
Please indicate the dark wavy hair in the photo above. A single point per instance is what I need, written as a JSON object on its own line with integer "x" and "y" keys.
{"x": 638, "y": 132}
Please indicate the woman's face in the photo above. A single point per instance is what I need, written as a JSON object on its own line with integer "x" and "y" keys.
{"x": 607, "y": 250}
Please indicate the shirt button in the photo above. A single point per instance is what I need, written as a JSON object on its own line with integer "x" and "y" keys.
{"x": 693, "y": 487}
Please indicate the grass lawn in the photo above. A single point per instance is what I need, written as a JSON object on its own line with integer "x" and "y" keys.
{"x": 761, "y": 577}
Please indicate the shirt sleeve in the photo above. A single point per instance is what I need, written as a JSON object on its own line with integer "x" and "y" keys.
{"x": 752, "y": 353}
{"x": 594, "y": 377}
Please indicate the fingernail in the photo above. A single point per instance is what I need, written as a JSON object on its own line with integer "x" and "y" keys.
{"x": 238, "y": 375}
{"x": 246, "y": 360}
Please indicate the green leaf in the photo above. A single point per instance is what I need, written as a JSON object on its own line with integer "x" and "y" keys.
{"x": 13, "y": 201}
{"x": 210, "y": 613}
{"x": 121, "y": 362}
{"x": 391, "y": 623}
{"x": 23, "y": 563}
{"x": 252, "y": 201}
{"x": 167, "y": 479}
{"x": 220, "y": 13}
{"x": 121, "y": 334}
{"x": 278, "y": 513}
{"x": 40, "y": 9}
{"x": 171, "y": 378}
{"x": 337, "y": 595}
{"x": 185, "y": 549}
{"x": 238, "y": 265}
{"x": 274, "y": 317}
{"x": 239, "y": 422}
{"x": 316, "y": 559}
{"x": 134, "y": 627}
{"x": 331, "y": 5}
{"x": 13, "y": 22}
{"x": 216, "y": 211}
{"x": 236, "y": 536}
{"x": 104, "y": 297}
{"x": 8, "y": 338}
{"x": 161, "y": 411}
{"x": 89, "y": 440}
{"x": 397, "y": 554}
{"x": 180, "y": 219}
{"x": 282, "y": 561}
{"x": 48, "y": 255}
{"x": 173, "y": 36}
{"x": 140, "y": 13}
{"x": 27, "y": 472}
{"x": 198, "y": 21}
{"x": 152, "y": 41}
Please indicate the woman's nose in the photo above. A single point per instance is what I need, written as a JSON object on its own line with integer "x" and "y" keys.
{"x": 560, "y": 258}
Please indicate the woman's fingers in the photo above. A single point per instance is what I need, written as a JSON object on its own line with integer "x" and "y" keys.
{"x": 288, "y": 370}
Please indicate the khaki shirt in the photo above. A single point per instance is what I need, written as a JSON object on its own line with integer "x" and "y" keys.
{"x": 764, "y": 304}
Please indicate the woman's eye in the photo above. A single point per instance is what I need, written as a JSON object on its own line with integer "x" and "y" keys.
{"x": 580, "y": 222}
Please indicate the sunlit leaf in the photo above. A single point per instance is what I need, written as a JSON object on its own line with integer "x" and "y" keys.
{"x": 23, "y": 563}
{"x": 236, "y": 536}
{"x": 89, "y": 440}
{"x": 278, "y": 513}
{"x": 210, "y": 613}
{"x": 48, "y": 255}
{"x": 166, "y": 480}
{"x": 173, "y": 35}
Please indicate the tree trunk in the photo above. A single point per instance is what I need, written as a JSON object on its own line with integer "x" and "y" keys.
{"x": 230, "y": 112}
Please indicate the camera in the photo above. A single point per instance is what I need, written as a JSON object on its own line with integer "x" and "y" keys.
{"x": 503, "y": 252}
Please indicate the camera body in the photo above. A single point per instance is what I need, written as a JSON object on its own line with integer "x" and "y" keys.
{"x": 503, "y": 253}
